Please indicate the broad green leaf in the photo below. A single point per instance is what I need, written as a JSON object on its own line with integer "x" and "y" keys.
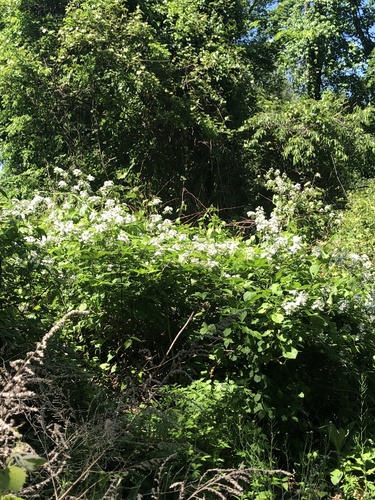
{"x": 242, "y": 315}
{"x": 264, "y": 308}
{"x": 276, "y": 288}
{"x": 338, "y": 436}
{"x": 285, "y": 483}
{"x": 314, "y": 269}
{"x": 336, "y": 476}
{"x": 30, "y": 462}
{"x": 12, "y": 478}
{"x": 248, "y": 296}
{"x": 277, "y": 317}
{"x": 253, "y": 333}
{"x": 292, "y": 354}
{"x": 258, "y": 408}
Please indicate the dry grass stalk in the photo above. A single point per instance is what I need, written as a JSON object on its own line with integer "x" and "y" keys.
{"x": 222, "y": 482}
{"x": 19, "y": 404}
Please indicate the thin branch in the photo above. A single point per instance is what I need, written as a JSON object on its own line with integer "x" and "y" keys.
{"x": 337, "y": 176}
{"x": 179, "y": 333}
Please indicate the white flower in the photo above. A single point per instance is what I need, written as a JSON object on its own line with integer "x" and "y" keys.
{"x": 109, "y": 203}
{"x": 167, "y": 223}
{"x": 300, "y": 300}
{"x": 62, "y": 184}
{"x": 64, "y": 227}
{"x": 296, "y": 245}
{"x": 154, "y": 218}
{"x": 95, "y": 199}
{"x": 61, "y": 172}
{"x": 316, "y": 251}
{"x": 77, "y": 172}
{"x": 34, "y": 203}
{"x": 90, "y": 178}
{"x": 343, "y": 305}
{"x": 167, "y": 210}
{"x": 318, "y": 304}
{"x": 130, "y": 219}
{"x": 113, "y": 214}
{"x": 99, "y": 228}
{"x": 210, "y": 263}
{"x": 155, "y": 201}
{"x": 86, "y": 236}
{"x": 30, "y": 239}
{"x": 123, "y": 237}
{"x": 48, "y": 202}
{"x": 106, "y": 186}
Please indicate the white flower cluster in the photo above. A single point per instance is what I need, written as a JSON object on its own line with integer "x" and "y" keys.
{"x": 300, "y": 299}
{"x": 86, "y": 218}
{"x": 269, "y": 226}
{"x": 99, "y": 219}
{"x": 353, "y": 261}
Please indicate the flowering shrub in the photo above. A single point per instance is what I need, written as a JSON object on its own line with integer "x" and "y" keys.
{"x": 274, "y": 314}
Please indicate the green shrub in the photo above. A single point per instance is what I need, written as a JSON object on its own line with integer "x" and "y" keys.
{"x": 213, "y": 335}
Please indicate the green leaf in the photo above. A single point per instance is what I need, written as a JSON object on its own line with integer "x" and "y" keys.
{"x": 248, "y": 296}
{"x": 276, "y": 288}
{"x": 292, "y": 354}
{"x": 30, "y": 461}
{"x": 338, "y": 436}
{"x": 277, "y": 317}
{"x": 12, "y": 478}
{"x": 314, "y": 269}
{"x": 242, "y": 315}
{"x": 9, "y": 497}
{"x": 258, "y": 408}
{"x": 336, "y": 476}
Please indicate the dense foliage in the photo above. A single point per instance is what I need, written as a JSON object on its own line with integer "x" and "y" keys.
{"x": 171, "y": 96}
{"x": 185, "y": 312}
{"x": 224, "y": 350}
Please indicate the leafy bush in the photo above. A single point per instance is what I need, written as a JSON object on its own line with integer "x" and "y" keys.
{"x": 205, "y": 337}
{"x": 307, "y": 137}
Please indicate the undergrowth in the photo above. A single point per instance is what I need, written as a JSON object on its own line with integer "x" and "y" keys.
{"x": 206, "y": 361}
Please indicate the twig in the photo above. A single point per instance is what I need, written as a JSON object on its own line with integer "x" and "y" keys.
{"x": 337, "y": 175}
{"x": 84, "y": 473}
{"x": 179, "y": 333}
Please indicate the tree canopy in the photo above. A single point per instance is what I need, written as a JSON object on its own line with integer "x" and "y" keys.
{"x": 162, "y": 94}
